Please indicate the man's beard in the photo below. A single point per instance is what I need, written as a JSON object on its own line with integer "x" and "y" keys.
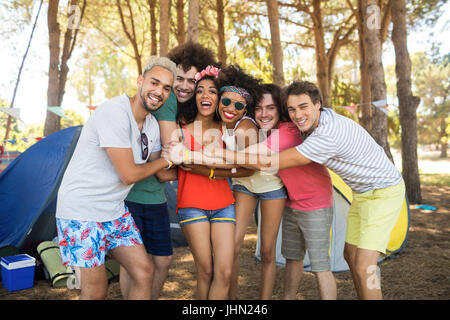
{"x": 146, "y": 107}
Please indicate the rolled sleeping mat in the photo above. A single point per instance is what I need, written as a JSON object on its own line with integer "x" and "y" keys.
{"x": 51, "y": 257}
{"x": 112, "y": 270}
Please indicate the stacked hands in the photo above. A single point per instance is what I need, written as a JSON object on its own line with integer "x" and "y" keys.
{"x": 212, "y": 155}
{"x": 178, "y": 153}
{"x": 175, "y": 152}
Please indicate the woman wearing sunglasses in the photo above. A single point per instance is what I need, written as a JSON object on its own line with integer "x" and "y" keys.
{"x": 236, "y": 109}
{"x": 205, "y": 203}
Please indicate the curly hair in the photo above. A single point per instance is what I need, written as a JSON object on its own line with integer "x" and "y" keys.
{"x": 188, "y": 110}
{"x": 192, "y": 54}
{"x": 233, "y": 75}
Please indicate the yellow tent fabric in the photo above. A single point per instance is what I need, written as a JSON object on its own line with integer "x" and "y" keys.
{"x": 342, "y": 198}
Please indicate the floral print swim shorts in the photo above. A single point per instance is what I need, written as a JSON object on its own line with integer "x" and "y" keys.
{"x": 85, "y": 243}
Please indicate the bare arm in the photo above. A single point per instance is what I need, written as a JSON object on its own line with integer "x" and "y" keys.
{"x": 164, "y": 175}
{"x": 130, "y": 172}
{"x": 168, "y": 131}
{"x": 256, "y": 159}
{"x": 218, "y": 172}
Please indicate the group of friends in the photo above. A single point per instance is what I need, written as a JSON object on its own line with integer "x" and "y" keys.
{"x": 232, "y": 142}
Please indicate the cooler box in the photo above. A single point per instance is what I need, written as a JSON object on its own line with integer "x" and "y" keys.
{"x": 18, "y": 272}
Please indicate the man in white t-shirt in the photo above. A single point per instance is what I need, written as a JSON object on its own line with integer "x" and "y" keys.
{"x": 118, "y": 146}
{"x": 346, "y": 148}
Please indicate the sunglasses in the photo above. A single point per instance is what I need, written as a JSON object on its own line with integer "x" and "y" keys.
{"x": 238, "y": 105}
{"x": 144, "y": 150}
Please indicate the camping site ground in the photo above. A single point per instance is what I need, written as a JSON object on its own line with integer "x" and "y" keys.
{"x": 420, "y": 272}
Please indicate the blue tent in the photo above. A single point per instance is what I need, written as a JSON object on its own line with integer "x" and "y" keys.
{"x": 29, "y": 187}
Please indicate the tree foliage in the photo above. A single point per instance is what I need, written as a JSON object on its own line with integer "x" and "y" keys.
{"x": 432, "y": 82}
{"x": 112, "y": 43}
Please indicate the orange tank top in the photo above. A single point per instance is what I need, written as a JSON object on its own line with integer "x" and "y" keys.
{"x": 198, "y": 191}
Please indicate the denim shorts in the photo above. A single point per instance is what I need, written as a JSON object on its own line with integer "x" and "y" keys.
{"x": 269, "y": 195}
{"x": 192, "y": 215}
{"x": 153, "y": 223}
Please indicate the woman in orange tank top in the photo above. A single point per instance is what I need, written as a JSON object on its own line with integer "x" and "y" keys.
{"x": 205, "y": 202}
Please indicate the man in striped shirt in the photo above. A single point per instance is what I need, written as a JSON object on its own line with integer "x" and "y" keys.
{"x": 346, "y": 148}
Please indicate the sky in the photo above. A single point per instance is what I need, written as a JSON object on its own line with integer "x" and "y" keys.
{"x": 31, "y": 97}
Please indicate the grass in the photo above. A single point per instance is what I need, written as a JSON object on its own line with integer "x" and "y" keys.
{"x": 435, "y": 179}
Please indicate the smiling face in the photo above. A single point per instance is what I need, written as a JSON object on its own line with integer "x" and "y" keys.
{"x": 303, "y": 112}
{"x": 184, "y": 84}
{"x": 266, "y": 113}
{"x": 206, "y": 98}
{"x": 229, "y": 114}
{"x": 154, "y": 87}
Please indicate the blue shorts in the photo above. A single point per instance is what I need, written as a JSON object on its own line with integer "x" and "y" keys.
{"x": 192, "y": 215}
{"x": 85, "y": 243}
{"x": 153, "y": 223}
{"x": 269, "y": 195}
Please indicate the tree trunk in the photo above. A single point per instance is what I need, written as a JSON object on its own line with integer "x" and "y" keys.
{"x": 222, "y": 49}
{"x": 193, "y": 19}
{"x": 164, "y": 23}
{"x": 321, "y": 56}
{"x": 365, "y": 116}
{"x": 58, "y": 69}
{"x": 52, "y": 123}
{"x": 443, "y": 138}
{"x": 372, "y": 40}
{"x": 277, "y": 52}
{"x": 407, "y": 103}
{"x": 131, "y": 34}
{"x": 154, "y": 44}
{"x": 181, "y": 33}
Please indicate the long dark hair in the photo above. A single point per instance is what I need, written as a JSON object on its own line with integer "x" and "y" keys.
{"x": 188, "y": 110}
{"x": 276, "y": 92}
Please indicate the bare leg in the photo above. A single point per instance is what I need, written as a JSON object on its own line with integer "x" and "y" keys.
{"x": 350, "y": 258}
{"x": 245, "y": 207}
{"x": 327, "y": 285}
{"x": 199, "y": 240}
{"x": 271, "y": 213}
{"x": 162, "y": 265}
{"x": 292, "y": 276}
{"x": 367, "y": 274}
{"x": 139, "y": 269}
{"x": 364, "y": 269}
{"x": 124, "y": 282}
{"x": 94, "y": 285}
{"x": 223, "y": 251}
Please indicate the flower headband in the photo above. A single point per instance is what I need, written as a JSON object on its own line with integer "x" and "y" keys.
{"x": 210, "y": 71}
{"x": 238, "y": 90}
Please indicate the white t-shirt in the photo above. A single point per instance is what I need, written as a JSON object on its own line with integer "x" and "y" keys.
{"x": 91, "y": 189}
{"x": 346, "y": 148}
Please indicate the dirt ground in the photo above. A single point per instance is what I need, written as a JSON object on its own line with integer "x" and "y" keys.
{"x": 421, "y": 271}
